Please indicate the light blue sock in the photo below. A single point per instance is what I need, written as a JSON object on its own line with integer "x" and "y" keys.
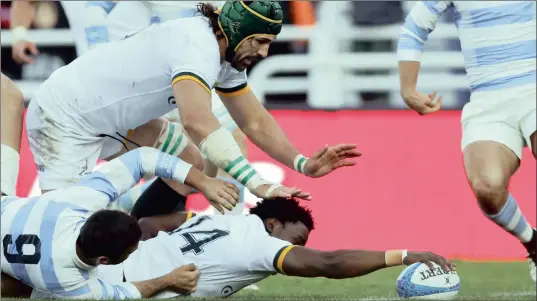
{"x": 513, "y": 221}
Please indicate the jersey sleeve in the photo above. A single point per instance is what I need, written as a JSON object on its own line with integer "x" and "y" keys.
{"x": 266, "y": 253}
{"x": 235, "y": 83}
{"x": 121, "y": 174}
{"x": 193, "y": 57}
{"x": 96, "y": 25}
{"x": 419, "y": 23}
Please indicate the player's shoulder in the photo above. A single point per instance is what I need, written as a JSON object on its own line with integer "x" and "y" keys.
{"x": 193, "y": 30}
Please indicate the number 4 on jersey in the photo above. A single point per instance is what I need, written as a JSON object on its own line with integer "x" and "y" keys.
{"x": 197, "y": 239}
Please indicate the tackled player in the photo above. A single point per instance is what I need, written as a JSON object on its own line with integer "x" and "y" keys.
{"x": 72, "y": 233}
{"x": 233, "y": 252}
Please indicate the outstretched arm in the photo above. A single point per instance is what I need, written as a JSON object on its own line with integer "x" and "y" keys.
{"x": 119, "y": 175}
{"x": 169, "y": 222}
{"x": 260, "y": 127}
{"x": 305, "y": 262}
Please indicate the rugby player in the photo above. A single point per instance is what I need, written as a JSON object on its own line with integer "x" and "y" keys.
{"x": 12, "y": 111}
{"x": 71, "y": 233}
{"x": 233, "y": 252}
{"x": 498, "y": 44}
{"x": 125, "y": 84}
{"x": 88, "y": 23}
{"x": 83, "y": 17}
{"x": 127, "y": 17}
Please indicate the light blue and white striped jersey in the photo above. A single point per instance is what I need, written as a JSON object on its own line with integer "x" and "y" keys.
{"x": 96, "y": 23}
{"x": 497, "y": 39}
{"x": 39, "y": 234}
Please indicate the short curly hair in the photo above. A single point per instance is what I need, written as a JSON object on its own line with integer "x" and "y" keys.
{"x": 284, "y": 210}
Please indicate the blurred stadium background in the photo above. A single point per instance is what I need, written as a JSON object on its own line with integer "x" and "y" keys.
{"x": 332, "y": 77}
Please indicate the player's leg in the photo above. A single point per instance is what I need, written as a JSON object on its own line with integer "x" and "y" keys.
{"x": 12, "y": 113}
{"x": 167, "y": 137}
{"x": 61, "y": 155}
{"x": 492, "y": 150}
{"x": 528, "y": 127}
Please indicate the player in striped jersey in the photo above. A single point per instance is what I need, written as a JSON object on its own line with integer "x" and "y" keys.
{"x": 87, "y": 19}
{"x": 54, "y": 242}
{"x": 233, "y": 252}
{"x": 498, "y": 44}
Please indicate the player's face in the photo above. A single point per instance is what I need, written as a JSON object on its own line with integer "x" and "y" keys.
{"x": 295, "y": 233}
{"x": 251, "y": 50}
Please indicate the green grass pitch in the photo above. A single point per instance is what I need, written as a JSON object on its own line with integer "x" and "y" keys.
{"x": 479, "y": 281}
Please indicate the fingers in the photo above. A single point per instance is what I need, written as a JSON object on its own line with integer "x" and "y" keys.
{"x": 189, "y": 267}
{"x": 343, "y": 163}
{"x": 303, "y": 195}
{"x": 349, "y": 153}
{"x": 232, "y": 186}
{"x": 344, "y": 147}
{"x": 33, "y": 49}
{"x": 218, "y": 207}
{"x": 321, "y": 152}
{"x": 229, "y": 201}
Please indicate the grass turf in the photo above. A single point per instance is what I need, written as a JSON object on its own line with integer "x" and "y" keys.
{"x": 479, "y": 281}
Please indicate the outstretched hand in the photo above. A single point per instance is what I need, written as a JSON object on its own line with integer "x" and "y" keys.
{"x": 330, "y": 158}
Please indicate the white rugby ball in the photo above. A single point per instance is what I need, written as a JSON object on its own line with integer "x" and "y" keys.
{"x": 418, "y": 281}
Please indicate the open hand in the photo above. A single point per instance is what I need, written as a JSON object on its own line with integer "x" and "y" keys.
{"x": 330, "y": 158}
{"x": 220, "y": 194}
{"x": 268, "y": 191}
{"x": 428, "y": 258}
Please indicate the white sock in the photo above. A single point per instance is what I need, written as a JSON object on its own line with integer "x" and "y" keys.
{"x": 9, "y": 169}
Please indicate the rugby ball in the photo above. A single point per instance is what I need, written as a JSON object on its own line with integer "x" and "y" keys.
{"x": 418, "y": 281}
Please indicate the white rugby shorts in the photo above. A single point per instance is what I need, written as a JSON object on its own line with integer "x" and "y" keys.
{"x": 63, "y": 153}
{"x": 505, "y": 116}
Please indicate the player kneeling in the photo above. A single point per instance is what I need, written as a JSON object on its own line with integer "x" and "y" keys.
{"x": 233, "y": 252}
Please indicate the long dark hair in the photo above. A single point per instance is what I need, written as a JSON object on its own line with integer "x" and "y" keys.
{"x": 209, "y": 11}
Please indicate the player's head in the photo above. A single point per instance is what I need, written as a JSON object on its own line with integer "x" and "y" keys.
{"x": 248, "y": 28}
{"x": 109, "y": 237}
{"x": 285, "y": 219}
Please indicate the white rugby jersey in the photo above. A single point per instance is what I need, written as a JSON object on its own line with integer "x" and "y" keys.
{"x": 497, "y": 39}
{"x": 124, "y": 84}
{"x": 231, "y": 253}
{"x": 39, "y": 234}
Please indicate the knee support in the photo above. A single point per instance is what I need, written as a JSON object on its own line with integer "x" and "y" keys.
{"x": 172, "y": 139}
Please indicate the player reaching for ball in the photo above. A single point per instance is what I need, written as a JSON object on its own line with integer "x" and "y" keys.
{"x": 123, "y": 85}
{"x": 234, "y": 251}
{"x": 498, "y": 44}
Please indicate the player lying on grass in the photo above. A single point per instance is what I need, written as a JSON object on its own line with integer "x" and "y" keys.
{"x": 233, "y": 252}
{"x": 54, "y": 242}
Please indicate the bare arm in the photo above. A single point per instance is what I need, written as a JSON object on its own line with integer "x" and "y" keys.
{"x": 408, "y": 77}
{"x": 259, "y": 125}
{"x": 169, "y": 222}
{"x": 22, "y": 13}
{"x": 304, "y": 262}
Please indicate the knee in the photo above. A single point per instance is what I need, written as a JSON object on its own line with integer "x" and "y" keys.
{"x": 11, "y": 98}
{"x": 490, "y": 189}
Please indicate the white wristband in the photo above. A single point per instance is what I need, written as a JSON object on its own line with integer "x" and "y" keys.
{"x": 404, "y": 253}
{"x": 299, "y": 163}
{"x": 19, "y": 33}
